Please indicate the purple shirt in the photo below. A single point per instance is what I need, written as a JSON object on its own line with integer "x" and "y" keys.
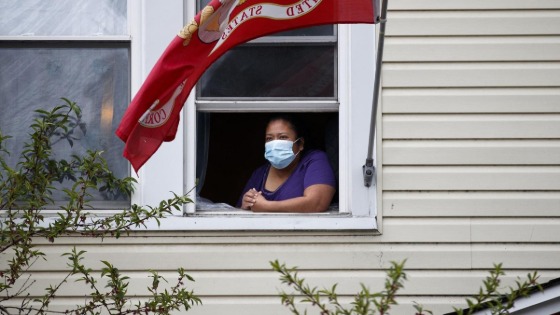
{"x": 313, "y": 168}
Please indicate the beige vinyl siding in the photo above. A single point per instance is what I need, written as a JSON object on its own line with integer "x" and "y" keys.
{"x": 471, "y": 140}
{"x": 233, "y": 275}
{"x": 470, "y": 174}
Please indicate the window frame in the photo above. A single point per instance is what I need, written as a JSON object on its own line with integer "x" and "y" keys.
{"x": 161, "y": 174}
{"x": 355, "y": 213}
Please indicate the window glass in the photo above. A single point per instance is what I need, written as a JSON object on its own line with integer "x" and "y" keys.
{"x": 272, "y": 71}
{"x": 94, "y": 75}
{"x": 299, "y": 63}
{"x": 63, "y": 17}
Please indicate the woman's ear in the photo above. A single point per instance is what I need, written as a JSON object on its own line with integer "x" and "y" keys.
{"x": 301, "y": 143}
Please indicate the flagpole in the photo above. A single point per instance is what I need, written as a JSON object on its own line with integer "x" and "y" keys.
{"x": 369, "y": 169}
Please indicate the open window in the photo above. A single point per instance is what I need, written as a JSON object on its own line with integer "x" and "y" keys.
{"x": 323, "y": 74}
{"x": 294, "y": 71}
{"x": 231, "y": 145}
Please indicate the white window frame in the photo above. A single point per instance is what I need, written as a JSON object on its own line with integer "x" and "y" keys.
{"x": 173, "y": 167}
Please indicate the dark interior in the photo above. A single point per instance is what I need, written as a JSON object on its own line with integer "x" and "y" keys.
{"x": 236, "y": 147}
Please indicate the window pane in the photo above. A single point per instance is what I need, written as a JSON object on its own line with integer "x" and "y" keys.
{"x": 63, "y": 17}
{"x": 272, "y": 71}
{"x": 96, "y": 78}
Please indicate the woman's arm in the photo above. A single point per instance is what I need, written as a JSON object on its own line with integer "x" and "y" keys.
{"x": 316, "y": 198}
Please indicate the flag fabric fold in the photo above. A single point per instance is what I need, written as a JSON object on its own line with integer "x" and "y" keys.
{"x": 153, "y": 115}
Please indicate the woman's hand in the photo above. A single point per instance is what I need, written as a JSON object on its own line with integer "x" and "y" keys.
{"x": 249, "y": 199}
{"x": 261, "y": 204}
{"x": 316, "y": 198}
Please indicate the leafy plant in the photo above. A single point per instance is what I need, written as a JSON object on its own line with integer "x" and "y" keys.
{"x": 365, "y": 302}
{"x": 490, "y": 297}
{"x": 26, "y": 191}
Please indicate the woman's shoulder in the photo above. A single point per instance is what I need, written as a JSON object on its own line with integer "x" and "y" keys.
{"x": 318, "y": 169}
{"x": 314, "y": 155}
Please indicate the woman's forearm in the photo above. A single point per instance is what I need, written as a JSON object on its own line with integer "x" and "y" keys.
{"x": 316, "y": 198}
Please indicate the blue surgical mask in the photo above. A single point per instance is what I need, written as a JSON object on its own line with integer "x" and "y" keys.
{"x": 279, "y": 153}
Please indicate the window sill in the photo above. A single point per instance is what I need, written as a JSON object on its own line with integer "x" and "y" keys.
{"x": 248, "y": 221}
{"x": 212, "y": 221}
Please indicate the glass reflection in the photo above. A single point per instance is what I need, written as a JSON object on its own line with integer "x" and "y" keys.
{"x": 272, "y": 71}
{"x": 63, "y": 17}
{"x": 96, "y": 78}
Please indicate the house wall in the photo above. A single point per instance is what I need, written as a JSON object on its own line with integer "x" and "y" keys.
{"x": 469, "y": 173}
{"x": 470, "y": 129}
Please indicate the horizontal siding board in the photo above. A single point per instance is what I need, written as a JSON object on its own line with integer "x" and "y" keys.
{"x": 275, "y": 308}
{"x": 425, "y": 230}
{"x": 349, "y": 256}
{"x": 471, "y": 100}
{"x": 492, "y": 48}
{"x": 475, "y": 74}
{"x": 471, "y": 152}
{"x": 516, "y": 230}
{"x": 266, "y": 284}
{"x": 472, "y": 4}
{"x": 257, "y": 257}
{"x": 470, "y": 23}
{"x": 259, "y": 305}
{"x": 445, "y": 283}
{"x": 538, "y": 257}
{"x": 471, "y": 204}
{"x": 471, "y": 178}
{"x": 475, "y": 126}
{"x": 456, "y": 230}
{"x": 396, "y": 230}
{"x": 252, "y": 305}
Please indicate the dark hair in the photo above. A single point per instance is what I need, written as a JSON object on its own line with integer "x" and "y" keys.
{"x": 294, "y": 121}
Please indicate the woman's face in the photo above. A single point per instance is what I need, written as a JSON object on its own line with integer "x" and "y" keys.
{"x": 282, "y": 130}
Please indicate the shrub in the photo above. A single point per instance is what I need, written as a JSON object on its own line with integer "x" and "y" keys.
{"x": 326, "y": 301}
{"x": 26, "y": 191}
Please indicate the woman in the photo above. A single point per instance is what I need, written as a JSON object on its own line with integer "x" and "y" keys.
{"x": 294, "y": 180}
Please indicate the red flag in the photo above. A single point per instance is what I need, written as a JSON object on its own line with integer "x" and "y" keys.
{"x": 153, "y": 115}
